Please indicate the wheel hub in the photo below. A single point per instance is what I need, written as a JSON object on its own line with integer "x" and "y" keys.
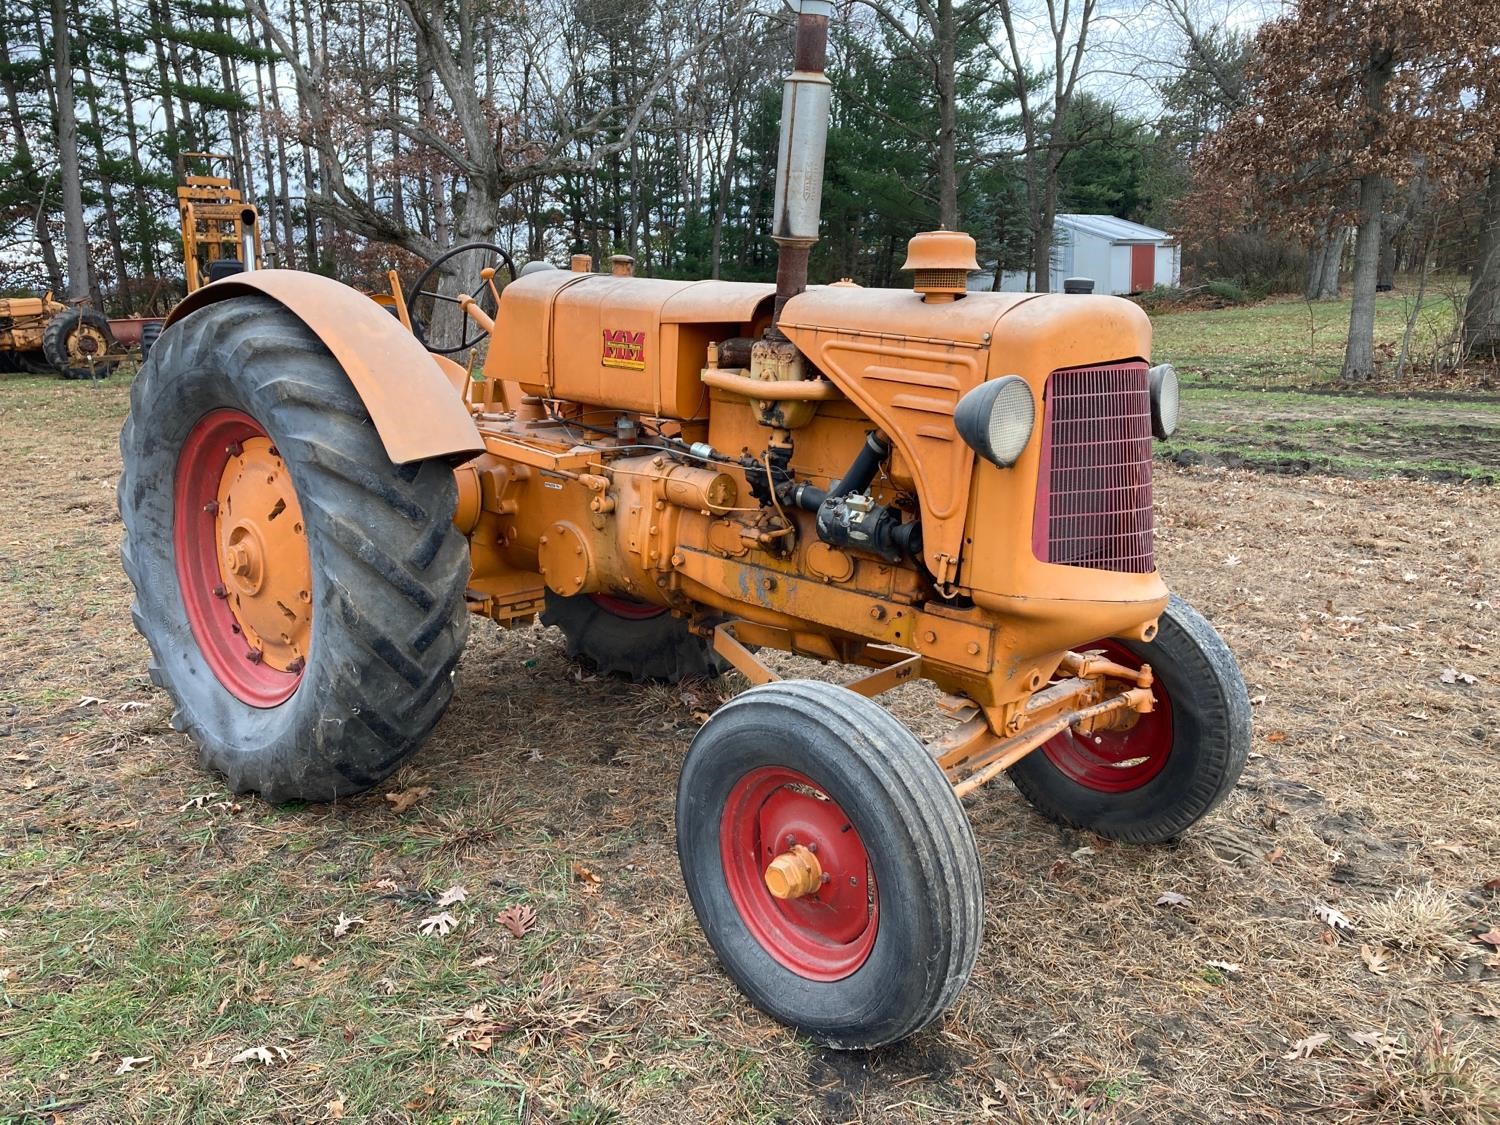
{"x": 242, "y": 560}
{"x": 794, "y": 873}
{"x": 798, "y": 873}
{"x": 263, "y": 555}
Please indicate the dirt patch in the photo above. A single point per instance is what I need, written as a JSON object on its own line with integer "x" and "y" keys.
{"x": 146, "y": 913}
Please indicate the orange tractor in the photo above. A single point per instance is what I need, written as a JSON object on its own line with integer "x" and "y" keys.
{"x": 925, "y": 485}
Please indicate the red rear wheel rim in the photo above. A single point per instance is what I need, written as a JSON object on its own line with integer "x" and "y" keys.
{"x": 628, "y": 608}
{"x": 823, "y": 936}
{"x": 200, "y": 467}
{"x": 1117, "y": 761}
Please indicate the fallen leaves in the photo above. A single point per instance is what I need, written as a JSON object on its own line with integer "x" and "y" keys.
{"x": 452, "y": 895}
{"x": 590, "y": 882}
{"x": 1303, "y": 1048}
{"x": 1172, "y": 898}
{"x": 261, "y": 1055}
{"x": 517, "y": 919}
{"x": 1454, "y": 676}
{"x": 1225, "y": 966}
{"x": 1374, "y": 957}
{"x": 345, "y": 924}
{"x": 132, "y": 1062}
{"x": 404, "y": 799}
{"x": 1492, "y": 937}
{"x": 474, "y": 1029}
{"x": 440, "y": 924}
{"x": 1386, "y": 1047}
{"x": 1335, "y": 918}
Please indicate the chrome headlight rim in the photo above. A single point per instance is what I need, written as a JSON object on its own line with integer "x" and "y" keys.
{"x": 997, "y": 419}
{"x": 1166, "y": 400}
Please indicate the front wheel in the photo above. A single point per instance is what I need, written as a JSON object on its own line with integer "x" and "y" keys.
{"x": 1150, "y": 782}
{"x": 830, "y": 864}
{"x": 303, "y": 597}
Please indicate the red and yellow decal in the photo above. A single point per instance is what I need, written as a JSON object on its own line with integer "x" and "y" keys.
{"x": 624, "y": 348}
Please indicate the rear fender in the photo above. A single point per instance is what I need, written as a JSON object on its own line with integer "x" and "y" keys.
{"x": 413, "y": 405}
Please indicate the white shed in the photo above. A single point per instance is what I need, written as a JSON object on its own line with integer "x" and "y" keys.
{"x": 1119, "y": 256}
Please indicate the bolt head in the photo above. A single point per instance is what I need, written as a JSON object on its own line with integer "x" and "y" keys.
{"x": 212, "y": 507}
{"x": 254, "y": 656}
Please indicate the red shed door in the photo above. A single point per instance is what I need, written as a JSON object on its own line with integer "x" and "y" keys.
{"x": 1142, "y": 268}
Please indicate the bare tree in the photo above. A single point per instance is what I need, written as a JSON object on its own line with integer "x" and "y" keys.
{"x": 1044, "y": 109}
{"x": 80, "y": 277}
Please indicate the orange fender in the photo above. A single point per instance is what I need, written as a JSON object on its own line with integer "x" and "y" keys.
{"x": 410, "y": 400}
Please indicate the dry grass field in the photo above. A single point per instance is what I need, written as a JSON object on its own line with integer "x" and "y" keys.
{"x": 169, "y": 952}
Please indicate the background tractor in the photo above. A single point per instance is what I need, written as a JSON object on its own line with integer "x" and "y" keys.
{"x": 921, "y": 485}
{"x": 39, "y": 334}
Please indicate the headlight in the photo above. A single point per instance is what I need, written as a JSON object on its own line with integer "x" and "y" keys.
{"x": 1164, "y": 400}
{"x": 996, "y": 419}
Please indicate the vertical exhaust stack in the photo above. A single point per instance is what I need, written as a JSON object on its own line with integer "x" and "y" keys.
{"x": 799, "y": 163}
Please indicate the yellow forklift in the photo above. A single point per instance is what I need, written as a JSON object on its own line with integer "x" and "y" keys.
{"x": 220, "y": 232}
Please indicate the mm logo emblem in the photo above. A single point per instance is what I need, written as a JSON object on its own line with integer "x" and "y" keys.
{"x": 623, "y": 348}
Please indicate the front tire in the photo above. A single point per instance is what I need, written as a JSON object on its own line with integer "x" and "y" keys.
{"x": 884, "y": 934}
{"x": 1150, "y": 783}
{"x": 302, "y": 595}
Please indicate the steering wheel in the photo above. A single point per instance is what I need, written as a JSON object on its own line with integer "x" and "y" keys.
{"x": 483, "y": 297}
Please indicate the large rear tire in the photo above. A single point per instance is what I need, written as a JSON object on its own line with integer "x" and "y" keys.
{"x": 77, "y": 343}
{"x": 621, "y": 637}
{"x": 303, "y": 597}
{"x": 883, "y": 930}
{"x": 1153, "y": 781}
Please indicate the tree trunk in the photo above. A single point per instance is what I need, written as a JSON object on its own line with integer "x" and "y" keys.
{"x": 107, "y": 193}
{"x": 80, "y": 279}
{"x": 24, "y": 166}
{"x": 1359, "y": 356}
{"x": 1324, "y": 259}
{"x": 140, "y": 209}
{"x": 174, "y": 141}
{"x": 1482, "y": 311}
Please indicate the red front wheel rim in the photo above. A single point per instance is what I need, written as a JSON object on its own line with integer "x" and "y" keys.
{"x": 825, "y": 935}
{"x": 201, "y": 467}
{"x": 1117, "y": 761}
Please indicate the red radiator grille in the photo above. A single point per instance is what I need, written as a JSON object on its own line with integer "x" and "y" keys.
{"x": 1093, "y": 498}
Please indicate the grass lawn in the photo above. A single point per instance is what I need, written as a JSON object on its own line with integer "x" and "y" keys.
{"x": 1287, "y": 341}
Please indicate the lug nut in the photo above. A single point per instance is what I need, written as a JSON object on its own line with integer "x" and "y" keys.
{"x": 254, "y": 656}
{"x": 275, "y": 452}
{"x": 234, "y": 449}
{"x": 296, "y": 665}
{"x": 220, "y": 591}
{"x": 212, "y": 507}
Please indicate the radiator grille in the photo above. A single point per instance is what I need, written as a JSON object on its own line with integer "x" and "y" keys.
{"x": 1094, "y": 485}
